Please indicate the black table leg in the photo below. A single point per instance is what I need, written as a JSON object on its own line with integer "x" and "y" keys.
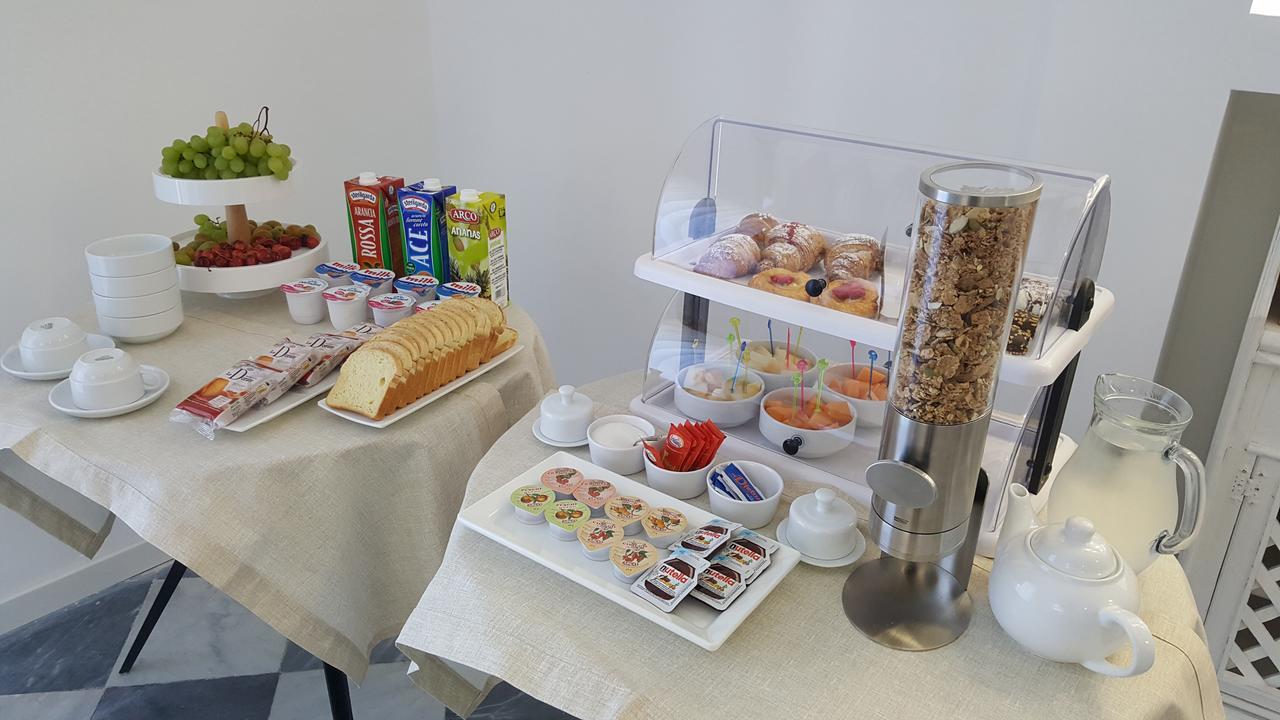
{"x": 170, "y": 584}
{"x": 339, "y": 693}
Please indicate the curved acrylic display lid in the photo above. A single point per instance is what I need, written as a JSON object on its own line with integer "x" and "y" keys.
{"x": 1075, "y": 549}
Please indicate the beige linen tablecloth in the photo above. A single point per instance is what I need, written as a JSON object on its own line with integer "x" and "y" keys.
{"x": 326, "y": 529}
{"x": 795, "y": 657}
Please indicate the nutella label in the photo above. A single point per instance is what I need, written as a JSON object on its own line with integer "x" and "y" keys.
{"x": 748, "y": 554}
{"x": 707, "y": 539}
{"x": 670, "y": 580}
{"x": 719, "y": 585}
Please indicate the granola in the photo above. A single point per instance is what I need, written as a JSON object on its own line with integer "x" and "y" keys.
{"x": 1033, "y": 300}
{"x": 956, "y": 312}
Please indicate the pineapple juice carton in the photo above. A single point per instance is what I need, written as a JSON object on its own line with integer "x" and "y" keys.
{"x": 477, "y": 225}
{"x": 373, "y": 217}
{"x": 426, "y": 247}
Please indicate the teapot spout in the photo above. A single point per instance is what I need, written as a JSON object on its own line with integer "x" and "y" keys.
{"x": 1018, "y": 518}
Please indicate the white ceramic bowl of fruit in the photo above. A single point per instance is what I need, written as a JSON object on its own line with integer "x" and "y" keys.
{"x": 709, "y": 391}
{"x": 869, "y": 401}
{"x": 260, "y": 267}
{"x": 778, "y": 367}
{"x": 804, "y": 429}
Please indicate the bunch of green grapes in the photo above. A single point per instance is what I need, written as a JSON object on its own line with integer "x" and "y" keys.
{"x": 237, "y": 152}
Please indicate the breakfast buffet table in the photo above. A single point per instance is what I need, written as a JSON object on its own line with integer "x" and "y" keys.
{"x": 325, "y": 529}
{"x": 795, "y": 657}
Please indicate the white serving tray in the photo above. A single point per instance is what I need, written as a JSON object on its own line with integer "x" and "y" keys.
{"x": 692, "y": 620}
{"x": 290, "y": 400}
{"x": 252, "y": 278}
{"x": 425, "y": 400}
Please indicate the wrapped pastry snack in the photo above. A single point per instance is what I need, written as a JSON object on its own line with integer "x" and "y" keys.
{"x": 292, "y": 360}
{"x": 225, "y": 398}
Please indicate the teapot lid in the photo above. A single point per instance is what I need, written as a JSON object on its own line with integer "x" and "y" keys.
{"x": 1075, "y": 549}
{"x": 565, "y": 404}
{"x": 822, "y": 511}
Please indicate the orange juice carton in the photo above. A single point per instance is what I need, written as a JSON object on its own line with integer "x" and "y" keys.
{"x": 373, "y": 217}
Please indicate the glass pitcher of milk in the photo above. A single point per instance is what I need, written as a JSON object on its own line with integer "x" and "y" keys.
{"x": 1124, "y": 477}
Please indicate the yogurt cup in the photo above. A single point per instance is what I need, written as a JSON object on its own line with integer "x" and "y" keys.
{"x": 378, "y": 280}
{"x": 458, "y": 289}
{"x": 426, "y": 305}
{"x": 335, "y": 273}
{"x": 306, "y": 299}
{"x": 390, "y": 307}
{"x": 347, "y": 305}
{"x": 421, "y": 286}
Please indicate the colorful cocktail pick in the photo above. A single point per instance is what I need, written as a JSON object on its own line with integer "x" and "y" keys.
{"x": 853, "y": 359}
{"x": 786, "y": 363}
{"x": 796, "y": 379}
{"x": 769, "y": 325}
{"x": 733, "y": 384}
{"x": 737, "y": 327}
{"x": 802, "y": 365}
{"x": 822, "y": 371}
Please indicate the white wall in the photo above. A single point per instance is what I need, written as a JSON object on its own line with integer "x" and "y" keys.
{"x": 91, "y": 94}
{"x": 576, "y": 109}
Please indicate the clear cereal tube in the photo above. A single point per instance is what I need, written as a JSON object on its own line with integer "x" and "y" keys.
{"x": 971, "y": 238}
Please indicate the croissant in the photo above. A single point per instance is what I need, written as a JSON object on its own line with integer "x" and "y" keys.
{"x": 757, "y": 225}
{"x": 853, "y": 256}
{"x": 792, "y": 246}
{"x": 730, "y": 256}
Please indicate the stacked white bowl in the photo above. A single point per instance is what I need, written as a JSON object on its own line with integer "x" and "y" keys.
{"x": 135, "y": 287}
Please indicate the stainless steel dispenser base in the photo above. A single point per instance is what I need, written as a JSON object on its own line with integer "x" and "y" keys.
{"x": 906, "y": 605}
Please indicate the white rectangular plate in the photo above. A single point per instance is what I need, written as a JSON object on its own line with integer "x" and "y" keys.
{"x": 290, "y": 400}
{"x": 425, "y": 400}
{"x": 493, "y": 517}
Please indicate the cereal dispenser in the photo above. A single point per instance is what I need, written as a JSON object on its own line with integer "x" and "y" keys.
{"x": 970, "y": 240}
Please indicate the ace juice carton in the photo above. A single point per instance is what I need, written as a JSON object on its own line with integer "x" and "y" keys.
{"x": 422, "y": 219}
{"x": 373, "y": 217}
{"x": 477, "y": 224}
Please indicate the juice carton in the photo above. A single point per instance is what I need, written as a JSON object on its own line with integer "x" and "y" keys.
{"x": 373, "y": 217}
{"x": 477, "y": 224}
{"x": 426, "y": 248}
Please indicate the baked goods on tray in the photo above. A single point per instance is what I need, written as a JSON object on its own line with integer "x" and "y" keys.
{"x": 855, "y": 296}
{"x": 792, "y": 246}
{"x": 853, "y": 256}
{"x": 757, "y": 226}
{"x": 730, "y": 256}
{"x": 419, "y": 354}
{"x": 788, "y": 283}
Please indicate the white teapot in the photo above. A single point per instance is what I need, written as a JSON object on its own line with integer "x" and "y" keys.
{"x": 1066, "y": 595}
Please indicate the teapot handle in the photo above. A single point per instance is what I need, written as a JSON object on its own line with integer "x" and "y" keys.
{"x": 1193, "y": 491}
{"x": 1143, "y": 654}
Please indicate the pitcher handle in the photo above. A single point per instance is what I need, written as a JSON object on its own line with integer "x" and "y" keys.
{"x": 1191, "y": 513}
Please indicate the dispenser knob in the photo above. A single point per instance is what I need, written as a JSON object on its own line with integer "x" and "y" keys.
{"x": 902, "y": 483}
{"x": 791, "y": 445}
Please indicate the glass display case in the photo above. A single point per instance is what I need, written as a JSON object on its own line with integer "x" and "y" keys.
{"x": 733, "y": 184}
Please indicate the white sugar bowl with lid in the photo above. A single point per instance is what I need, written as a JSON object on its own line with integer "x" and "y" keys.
{"x": 565, "y": 415}
{"x": 822, "y": 525}
{"x": 1063, "y": 593}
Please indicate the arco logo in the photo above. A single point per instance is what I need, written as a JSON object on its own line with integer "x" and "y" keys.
{"x": 464, "y": 215}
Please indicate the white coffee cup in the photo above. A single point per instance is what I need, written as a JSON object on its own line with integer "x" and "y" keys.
{"x": 51, "y": 344}
{"x": 105, "y": 379}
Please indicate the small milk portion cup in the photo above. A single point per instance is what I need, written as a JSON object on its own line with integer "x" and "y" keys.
{"x": 305, "y": 297}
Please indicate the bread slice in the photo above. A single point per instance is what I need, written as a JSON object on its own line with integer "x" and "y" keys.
{"x": 398, "y": 394}
{"x": 365, "y": 382}
{"x": 506, "y": 341}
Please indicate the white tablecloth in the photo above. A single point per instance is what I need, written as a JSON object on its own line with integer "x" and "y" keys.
{"x": 796, "y": 657}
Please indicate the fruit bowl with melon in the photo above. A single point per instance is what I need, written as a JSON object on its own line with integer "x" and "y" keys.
{"x": 777, "y": 367}
{"x": 721, "y": 392}
{"x": 812, "y": 428}
{"x": 867, "y": 398}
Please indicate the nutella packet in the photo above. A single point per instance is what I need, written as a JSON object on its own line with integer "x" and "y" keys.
{"x": 749, "y": 553}
{"x": 226, "y": 397}
{"x": 667, "y": 583}
{"x": 706, "y": 539}
{"x": 719, "y": 585}
{"x": 292, "y": 360}
{"x": 331, "y": 350}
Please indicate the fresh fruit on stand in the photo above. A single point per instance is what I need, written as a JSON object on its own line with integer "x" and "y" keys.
{"x": 241, "y": 151}
{"x": 268, "y": 242}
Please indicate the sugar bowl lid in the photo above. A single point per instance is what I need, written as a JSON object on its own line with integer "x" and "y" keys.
{"x": 1075, "y": 549}
{"x": 566, "y": 404}
{"x": 822, "y": 512}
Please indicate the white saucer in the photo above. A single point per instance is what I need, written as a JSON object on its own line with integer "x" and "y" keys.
{"x": 537, "y": 432}
{"x": 11, "y": 361}
{"x": 859, "y": 547}
{"x": 157, "y": 382}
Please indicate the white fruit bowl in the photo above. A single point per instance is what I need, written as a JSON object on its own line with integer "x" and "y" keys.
{"x": 249, "y": 281}
{"x": 240, "y": 191}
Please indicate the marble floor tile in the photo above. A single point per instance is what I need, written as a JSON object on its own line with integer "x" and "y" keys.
{"x": 505, "y": 702}
{"x": 203, "y": 634}
{"x": 71, "y": 648}
{"x": 247, "y": 697}
{"x": 387, "y": 694}
{"x": 297, "y": 660}
{"x": 67, "y": 705}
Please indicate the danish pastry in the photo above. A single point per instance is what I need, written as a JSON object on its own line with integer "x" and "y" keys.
{"x": 855, "y": 296}
{"x": 792, "y": 246}
{"x": 781, "y": 281}
{"x": 853, "y": 256}
{"x": 757, "y": 226}
{"x": 730, "y": 256}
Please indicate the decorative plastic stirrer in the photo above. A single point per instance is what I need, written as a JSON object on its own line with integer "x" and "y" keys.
{"x": 769, "y": 325}
{"x": 822, "y": 371}
{"x": 733, "y": 384}
{"x": 795, "y": 385}
{"x": 786, "y": 363}
{"x": 737, "y": 327}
